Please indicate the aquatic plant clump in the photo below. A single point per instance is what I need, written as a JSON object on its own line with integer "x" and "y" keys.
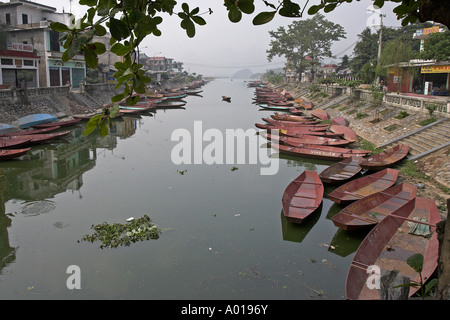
{"x": 118, "y": 234}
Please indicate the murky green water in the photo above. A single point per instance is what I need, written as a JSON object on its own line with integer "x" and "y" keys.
{"x": 224, "y": 233}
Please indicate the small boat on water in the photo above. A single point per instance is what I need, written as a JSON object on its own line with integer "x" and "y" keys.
{"x": 321, "y": 114}
{"x": 35, "y": 119}
{"x": 169, "y": 105}
{"x": 66, "y": 123}
{"x": 347, "y": 133}
{"x": 341, "y": 121}
{"x": 287, "y": 124}
{"x": 28, "y": 132}
{"x": 369, "y": 211}
{"x": 6, "y": 128}
{"x": 386, "y": 158}
{"x": 315, "y": 151}
{"x": 305, "y": 139}
{"x": 14, "y": 142}
{"x": 8, "y": 154}
{"x": 341, "y": 171}
{"x": 365, "y": 186}
{"x": 225, "y": 98}
{"x": 291, "y": 117}
{"x": 296, "y": 132}
{"x": 273, "y": 107}
{"x": 303, "y": 129}
{"x": 296, "y": 112}
{"x": 409, "y": 230}
{"x": 39, "y": 138}
{"x": 302, "y": 196}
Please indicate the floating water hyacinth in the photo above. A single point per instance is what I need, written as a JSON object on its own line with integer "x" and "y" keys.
{"x": 117, "y": 234}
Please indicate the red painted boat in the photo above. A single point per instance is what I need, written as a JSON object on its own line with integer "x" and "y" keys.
{"x": 305, "y": 139}
{"x": 290, "y": 117}
{"x": 369, "y": 211}
{"x": 44, "y": 137}
{"x": 365, "y": 186}
{"x": 386, "y": 158}
{"x": 348, "y": 133}
{"x": 303, "y": 129}
{"x": 341, "y": 121}
{"x": 389, "y": 244}
{"x": 296, "y": 132}
{"x": 25, "y": 132}
{"x": 306, "y": 104}
{"x": 302, "y": 197}
{"x": 13, "y": 142}
{"x": 7, "y": 154}
{"x": 321, "y": 114}
{"x": 310, "y": 124}
{"x": 314, "y": 151}
{"x": 341, "y": 171}
{"x": 296, "y": 112}
{"x": 66, "y": 123}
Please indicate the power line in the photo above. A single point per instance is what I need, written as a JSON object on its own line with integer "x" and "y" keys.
{"x": 233, "y": 66}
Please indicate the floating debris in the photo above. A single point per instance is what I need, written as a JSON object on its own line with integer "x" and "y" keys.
{"x": 117, "y": 234}
{"x": 234, "y": 168}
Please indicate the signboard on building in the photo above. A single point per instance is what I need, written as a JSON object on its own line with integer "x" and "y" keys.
{"x": 20, "y": 46}
{"x": 436, "y": 69}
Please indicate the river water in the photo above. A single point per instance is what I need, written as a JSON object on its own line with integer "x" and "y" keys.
{"x": 224, "y": 235}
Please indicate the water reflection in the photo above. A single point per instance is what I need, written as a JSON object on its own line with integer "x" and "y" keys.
{"x": 297, "y": 232}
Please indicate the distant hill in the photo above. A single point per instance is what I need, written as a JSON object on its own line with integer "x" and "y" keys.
{"x": 243, "y": 74}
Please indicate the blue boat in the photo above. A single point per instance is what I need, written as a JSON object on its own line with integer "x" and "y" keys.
{"x": 7, "y": 128}
{"x": 35, "y": 119}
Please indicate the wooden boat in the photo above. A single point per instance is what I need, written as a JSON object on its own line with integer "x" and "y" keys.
{"x": 365, "y": 186}
{"x": 39, "y": 138}
{"x": 369, "y": 211}
{"x": 225, "y": 98}
{"x": 272, "y": 107}
{"x": 137, "y": 108}
{"x": 302, "y": 129}
{"x": 6, "y": 128}
{"x": 341, "y": 121}
{"x": 302, "y": 196}
{"x": 341, "y": 171}
{"x": 13, "y": 142}
{"x": 348, "y": 133}
{"x": 308, "y": 124}
{"x": 27, "y": 131}
{"x": 296, "y": 132}
{"x": 290, "y": 117}
{"x": 296, "y": 112}
{"x": 173, "y": 95}
{"x": 170, "y": 105}
{"x": 386, "y": 158}
{"x": 7, "y": 154}
{"x": 310, "y": 151}
{"x": 321, "y": 114}
{"x": 389, "y": 244}
{"x": 306, "y": 104}
{"x": 66, "y": 123}
{"x": 305, "y": 139}
{"x": 35, "y": 119}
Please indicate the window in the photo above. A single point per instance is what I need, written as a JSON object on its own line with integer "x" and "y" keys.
{"x": 24, "y": 18}
{"x": 7, "y": 61}
{"x": 28, "y": 63}
{"x": 54, "y": 43}
{"x": 8, "y": 18}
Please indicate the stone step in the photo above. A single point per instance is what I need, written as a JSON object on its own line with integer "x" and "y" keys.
{"x": 430, "y": 139}
{"x": 423, "y": 142}
{"x": 414, "y": 145}
{"x": 439, "y": 132}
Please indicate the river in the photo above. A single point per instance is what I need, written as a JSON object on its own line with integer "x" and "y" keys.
{"x": 224, "y": 235}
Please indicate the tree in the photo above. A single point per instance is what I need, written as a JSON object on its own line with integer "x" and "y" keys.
{"x": 437, "y": 47}
{"x": 305, "y": 38}
{"x": 409, "y": 11}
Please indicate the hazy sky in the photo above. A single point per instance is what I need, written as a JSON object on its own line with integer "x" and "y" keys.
{"x": 221, "y": 47}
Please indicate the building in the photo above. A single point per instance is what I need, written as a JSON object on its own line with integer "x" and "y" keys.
{"x": 18, "y": 62}
{"x": 431, "y": 77}
{"x": 328, "y": 70}
{"x": 28, "y": 23}
{"x": 163, "y": 65}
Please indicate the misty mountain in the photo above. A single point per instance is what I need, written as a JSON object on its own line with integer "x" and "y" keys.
{"x": 243, "y": 74}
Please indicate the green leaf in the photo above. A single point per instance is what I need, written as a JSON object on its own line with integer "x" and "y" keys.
{"x": 199, "y": 20}
{"x": 246, "y": 6}
{"x": 234, "y": 15}
{"x": 114, "y": 111}
{"x": 100, "y": 30}
{"x": 91, "y": 58}
{"x": 59, "y": 27}
{"x": 119, "y": 49}
{"x": 118, "y": 97}
{"x": 263, "y": 17}
{"x": 118, "y": 28}
{"x": 416, "y": 262}
{"x": 103, "y": 129}
{"x": 314, "y": 9}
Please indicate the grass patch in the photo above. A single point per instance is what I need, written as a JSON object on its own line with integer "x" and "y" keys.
{"x": 342, "y": 109}
{"x": 335, "y": 106}
{"x": 367, "y": 145}
{"x": 409, "y": 169}
{"x": 391, "y": 128}
{"x": 326, "y": 122}
{"x": 352, "y": 111}
{"x": 402, "y": 115}
{"x": 425, "y": 122}
{"x": 361, "y": 115}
